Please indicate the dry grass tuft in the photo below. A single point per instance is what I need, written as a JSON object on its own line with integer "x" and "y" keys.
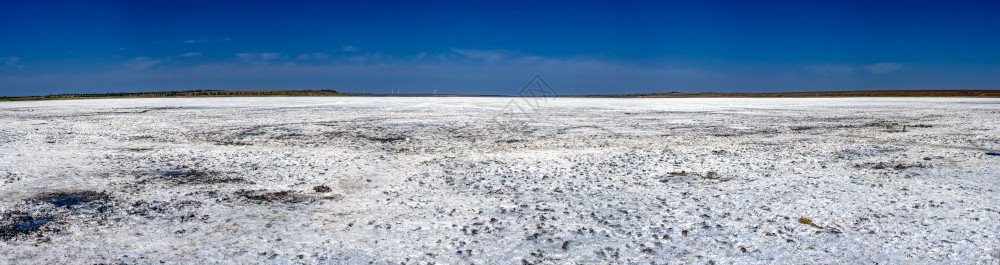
{"x": 807, "y": 221}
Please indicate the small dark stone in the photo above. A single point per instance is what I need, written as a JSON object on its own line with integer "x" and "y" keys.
{"x": 322, "y": 189}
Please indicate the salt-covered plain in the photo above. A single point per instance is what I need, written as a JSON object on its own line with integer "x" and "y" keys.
{"x": 353, "y": 180}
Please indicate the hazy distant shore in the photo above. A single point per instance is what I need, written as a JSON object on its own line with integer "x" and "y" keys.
{"x": 333, "y": 93}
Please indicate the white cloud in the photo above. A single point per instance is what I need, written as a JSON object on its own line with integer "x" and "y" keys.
{"x": 505, "y": 74}
{"x": 313, "y": 56}
{"x": 832, "y": 68}
{"x": 875, "y": 68}
{"x": 881, "y": 68}
{"x": 488, "y": 56}
{"x": 193, "y": 41}
{"x": 13, "y": 61}
{"x": 190, "y": 54}
{"x": 261, "y": 58}
{"x": 481, "y": 71}
{"x": 141, "y": 63}
{"x": 349, "y": 48}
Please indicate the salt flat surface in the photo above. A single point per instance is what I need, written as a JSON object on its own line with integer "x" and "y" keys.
{"x": 469, "y": 181}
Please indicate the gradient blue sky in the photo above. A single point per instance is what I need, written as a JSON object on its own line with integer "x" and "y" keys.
{"x": 583, "y": 47}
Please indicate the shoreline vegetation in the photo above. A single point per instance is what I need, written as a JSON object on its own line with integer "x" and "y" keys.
{"x": 332, "y": 93}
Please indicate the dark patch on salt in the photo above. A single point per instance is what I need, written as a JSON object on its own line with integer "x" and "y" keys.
{"x": 389, "y": 139}
{"x": 61, "y": 199}
{"x": 19, "y": 223}
{"x": 68, "y": 201}
{"x": 192, "y": 176}
{"x": 29, "y": 225}
{"x": 262, "y": 196}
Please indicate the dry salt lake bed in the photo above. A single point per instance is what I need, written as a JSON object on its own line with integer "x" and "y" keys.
{"x": 354, "y": 180}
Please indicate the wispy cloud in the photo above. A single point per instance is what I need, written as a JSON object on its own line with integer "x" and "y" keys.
{"x": 261, "y": 58}
{"x": 875, "y": 68}
{"x": 349, "y": 48}
{"x": 499, "y": 57}
{"x": 141, "y": 63}
{"x": 193, "y": 41}
{"x": 488, "y": 56}
{"x": 881, "y": 68}
{"x": 462, "y": 71}
{"x": 13, "y": 61}
{"x": 832, "y": 68}
{"x": 480, "y": 71}
{"x": 190, "y": 54}
{"x": 313, "y": 56}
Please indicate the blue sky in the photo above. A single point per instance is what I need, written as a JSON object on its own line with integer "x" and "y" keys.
{"x": 480, "y": 47}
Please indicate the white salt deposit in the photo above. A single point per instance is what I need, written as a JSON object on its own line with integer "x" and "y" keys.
{"x": 458, "y": 180}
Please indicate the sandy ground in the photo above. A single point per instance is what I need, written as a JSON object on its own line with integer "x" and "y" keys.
{"x": 473, "y": 181}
